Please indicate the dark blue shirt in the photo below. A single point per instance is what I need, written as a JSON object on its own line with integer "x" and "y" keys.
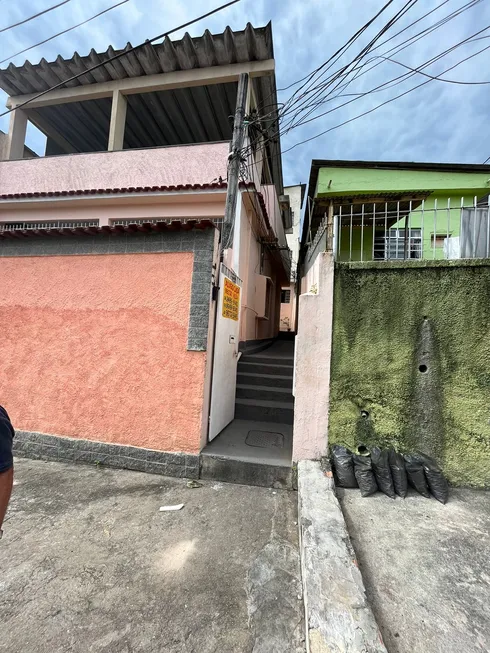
{"x": 6, "y": 438}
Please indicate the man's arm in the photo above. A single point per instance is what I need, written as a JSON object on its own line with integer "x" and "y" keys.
{"x": 6, "y": 482}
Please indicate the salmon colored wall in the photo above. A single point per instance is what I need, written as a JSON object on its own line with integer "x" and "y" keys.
{"x": 251, "y": 327}
{"x": 96, "y": 347}
{"x": 160, "y": 166}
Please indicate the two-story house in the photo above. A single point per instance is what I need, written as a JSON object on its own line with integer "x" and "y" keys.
{"x": 122, "y": 310}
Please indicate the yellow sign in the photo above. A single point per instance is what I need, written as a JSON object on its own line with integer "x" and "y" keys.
{"x": 231, "y": 300}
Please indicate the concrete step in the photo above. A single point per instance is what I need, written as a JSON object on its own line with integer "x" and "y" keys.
{"x": 230, "y": 470}
{"x": 274, "y": 380}
{"x": 268, "y": 360}
{"x": 265, "y": 368}
{"x": 280, "y": 412}
{"x": 247, "y": 391}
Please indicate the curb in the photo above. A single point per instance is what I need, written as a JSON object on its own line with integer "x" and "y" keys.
{"x": 337, "y": 614}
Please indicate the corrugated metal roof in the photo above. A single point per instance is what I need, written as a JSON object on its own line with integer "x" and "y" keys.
{"x": 250, "y": 44}
{"x": 180, "y": 116}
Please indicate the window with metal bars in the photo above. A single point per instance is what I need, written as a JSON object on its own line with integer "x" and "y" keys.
{"x": 285, "y": 296}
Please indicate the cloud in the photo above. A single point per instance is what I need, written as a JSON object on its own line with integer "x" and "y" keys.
{"x": 437, "y": 122}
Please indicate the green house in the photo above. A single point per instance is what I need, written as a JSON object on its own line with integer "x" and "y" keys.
{"x": 393, "y": 210}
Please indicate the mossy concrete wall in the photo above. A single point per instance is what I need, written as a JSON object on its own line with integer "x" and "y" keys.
{"x": 411, "y": 361}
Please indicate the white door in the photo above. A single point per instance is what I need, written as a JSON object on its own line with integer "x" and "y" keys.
{"x": 223, "y": 387}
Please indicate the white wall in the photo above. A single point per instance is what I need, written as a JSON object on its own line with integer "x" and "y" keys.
{"x": 294, "y": 193}
{"x": 312, "y": 368}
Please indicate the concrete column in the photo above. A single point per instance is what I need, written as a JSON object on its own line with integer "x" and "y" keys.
{"x": 312, "y": 365}
{"x": 118, "y": 121}
{"x": 17, "y": 135}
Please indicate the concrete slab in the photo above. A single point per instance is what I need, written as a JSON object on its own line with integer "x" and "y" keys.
{"x": 230, "y": 443}
{"x": 338, "y": 616}
{"x": 426, "y": 568}
{"x": 89, "y": 564}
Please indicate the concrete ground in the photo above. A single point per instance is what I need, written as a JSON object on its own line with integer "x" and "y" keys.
{"x": 232, "y": 443}
{"x": 88, "y": 563}
{"x": 426, "y": 568}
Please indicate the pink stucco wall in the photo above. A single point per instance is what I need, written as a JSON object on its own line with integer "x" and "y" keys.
{"x": 164, "y": 166}
{"x": 96, "y": 347}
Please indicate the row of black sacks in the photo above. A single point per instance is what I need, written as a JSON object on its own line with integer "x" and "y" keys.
{"x": 389, "y": 471}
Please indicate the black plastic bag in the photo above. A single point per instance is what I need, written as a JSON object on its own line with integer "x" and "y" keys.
{"x": 365, "y": 475}
{"x": 435, "y": 478}
{"x": 344, "y": 466}
{"x": 382, "y": 471}
{"x": 416, "y": 474}
{"x": 398, "y": 473}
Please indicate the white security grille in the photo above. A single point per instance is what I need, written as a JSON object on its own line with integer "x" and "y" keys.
{"x": 51, "y": 224}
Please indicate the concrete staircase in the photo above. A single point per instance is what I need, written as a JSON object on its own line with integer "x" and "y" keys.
{"x": 264, "y": 389}
{"x": 245, "y": 451}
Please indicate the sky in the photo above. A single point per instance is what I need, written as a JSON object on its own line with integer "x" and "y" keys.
{"x": 439, "y": 121}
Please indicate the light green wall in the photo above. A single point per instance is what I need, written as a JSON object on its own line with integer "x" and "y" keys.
{"x": 345, "y": 181}
{"x": 345, "y": 245}
{"x": 389, "y": 318}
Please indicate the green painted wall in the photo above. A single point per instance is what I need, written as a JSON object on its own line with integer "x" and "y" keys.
{"x": 389, "y": 319}
{"x": 346, "y": 181}
{"x": 345, "y": 244}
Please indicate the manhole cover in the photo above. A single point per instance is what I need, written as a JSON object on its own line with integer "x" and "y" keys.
{"x": 265, "y": 439}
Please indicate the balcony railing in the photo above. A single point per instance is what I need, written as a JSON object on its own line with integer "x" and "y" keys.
{"x": 424, "y": 230}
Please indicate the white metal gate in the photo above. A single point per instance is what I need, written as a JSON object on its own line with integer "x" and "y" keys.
{"x": 223, "y": 387}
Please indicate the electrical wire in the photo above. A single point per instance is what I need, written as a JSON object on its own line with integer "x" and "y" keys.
{"x": 65, "y": 31}
{"x": 432, "y": 78}
{"x": 396, "y": 80}
{"x": 439, "y": 79}
{"x": 394, "y": 50}
{"x": 315, "y": 90}
{"x": 384, "y": 103}
{"x": 26, "y": 20}
{"x": 390, "y": 82}
{"x": 414, "y": 38}
{"x": 119, "y": 55}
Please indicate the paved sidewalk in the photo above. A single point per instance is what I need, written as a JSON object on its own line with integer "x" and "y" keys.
{"x": 426, "y": 568}
{"x": 89, "y": 564}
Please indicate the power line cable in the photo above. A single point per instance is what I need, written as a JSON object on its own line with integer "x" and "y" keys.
{"x": 315, "y": 89}
{"x": 65, "y": 31}
{"x": 432, "y": 78}
{"x": 384, "y": 103}
{"x": 119, "y": 55}
{"x": 439, "y": 79}
{"x": 405, "y": 43}
{"x": 395, "y": 81}
{"x": 413, "y": 39}
{"x": 408, "y": 5}
{"x": 395, "y": 49}
{"x": 399, "y": 79}
{"x": 26, "y": 20}
{"x": 342, "y": 49}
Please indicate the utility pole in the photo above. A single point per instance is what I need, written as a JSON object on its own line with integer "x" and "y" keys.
{"x": 234, "y": 159}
